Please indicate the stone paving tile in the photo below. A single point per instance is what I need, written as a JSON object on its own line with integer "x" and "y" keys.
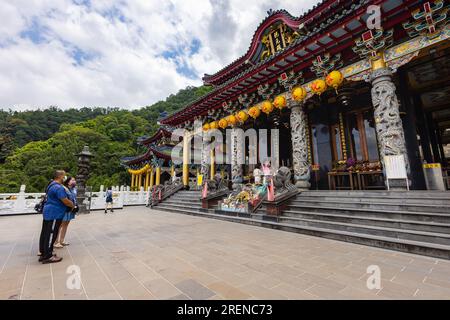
{"x": 259, "y": 292}
{"x": 228, "y": 291}
{"x": 162, "y": 289}
{"x": 194, "y": 290}
{"x": 293, "y": 293}
{"x": 139, "y": 253}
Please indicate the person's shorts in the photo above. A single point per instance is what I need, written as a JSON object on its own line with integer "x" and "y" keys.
{"x": 68, "y": 216}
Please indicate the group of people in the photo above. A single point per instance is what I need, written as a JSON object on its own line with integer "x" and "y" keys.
{"x": 59, "y": 206}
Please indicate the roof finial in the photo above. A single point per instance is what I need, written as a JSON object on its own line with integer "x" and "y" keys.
{"x": 269, "y": 12}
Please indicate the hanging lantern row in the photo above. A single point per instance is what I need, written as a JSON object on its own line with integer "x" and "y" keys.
{"x": 280, "y": 102}
{"x": 242, "y": 116}
{"x": 254, "y": 112}
{"x": 299, "y": 93}
{"x": 334, "y": 79}
{"x": 267, "y": 107}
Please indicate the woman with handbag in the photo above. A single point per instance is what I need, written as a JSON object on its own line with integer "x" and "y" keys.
{"x": 70, "y": 187}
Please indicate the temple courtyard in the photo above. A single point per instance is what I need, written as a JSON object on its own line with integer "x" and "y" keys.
{"x": 138, "y": 253}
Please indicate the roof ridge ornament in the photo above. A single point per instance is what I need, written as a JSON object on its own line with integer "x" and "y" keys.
{"x": 372, "y": 43}
{"x": 428, "y": 22}
{"x": 266, "y": 91}
{"x": 248, "y": 100}
{"x": 290, "y": 80}
{"x": 326, "y": 63}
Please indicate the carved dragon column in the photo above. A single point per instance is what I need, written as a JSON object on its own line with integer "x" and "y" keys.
{"x": 205, "y": 159}
{"x": 389, "y": 127}
{"x": 299, "y": 127}
{"x": 236, "y": 155}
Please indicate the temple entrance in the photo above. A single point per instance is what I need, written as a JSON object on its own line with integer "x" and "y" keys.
{"x": 343, "y": 140}
{"x": 426, "y": 98}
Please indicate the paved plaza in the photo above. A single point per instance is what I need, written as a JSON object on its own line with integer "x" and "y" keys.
{"x": 138, "y": 253}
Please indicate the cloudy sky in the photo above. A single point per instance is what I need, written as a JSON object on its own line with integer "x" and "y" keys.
{"x": 128, "y": 54}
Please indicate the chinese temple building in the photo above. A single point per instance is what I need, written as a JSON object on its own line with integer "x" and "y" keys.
{"x": 155, "y": 166}
{"x": 358, "y": 90}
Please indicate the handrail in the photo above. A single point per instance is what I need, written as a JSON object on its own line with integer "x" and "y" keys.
{"x": 166, "y": 192}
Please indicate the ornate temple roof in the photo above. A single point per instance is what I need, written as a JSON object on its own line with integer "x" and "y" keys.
{"x": 330, "y": 27}
{"x": 158, "y": 146}
{"x": 162, "y": 133}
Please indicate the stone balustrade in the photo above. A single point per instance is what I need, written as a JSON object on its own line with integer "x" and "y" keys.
{"x": 24, "y": 203}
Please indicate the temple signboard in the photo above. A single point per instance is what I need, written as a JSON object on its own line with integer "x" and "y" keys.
{"x": 278, "y": 38}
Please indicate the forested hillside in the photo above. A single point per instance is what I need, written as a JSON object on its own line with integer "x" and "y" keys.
{"x": 35, "y": 143}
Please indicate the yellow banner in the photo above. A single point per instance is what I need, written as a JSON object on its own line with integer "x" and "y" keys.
{"x": 432, "y": 166}
{"x": 199, "y": 179}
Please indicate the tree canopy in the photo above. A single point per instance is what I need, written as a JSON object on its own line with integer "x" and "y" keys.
{"x": 35, "y": 143}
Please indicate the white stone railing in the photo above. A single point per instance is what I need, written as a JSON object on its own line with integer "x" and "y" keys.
{"x": 24, "y": 203}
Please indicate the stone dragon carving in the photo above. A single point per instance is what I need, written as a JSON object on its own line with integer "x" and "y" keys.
{"x": 282, "y": 181}
{"x": 389, "y": 127}
{"x": 236, "y": 154}
{"x": 300, "y": 147}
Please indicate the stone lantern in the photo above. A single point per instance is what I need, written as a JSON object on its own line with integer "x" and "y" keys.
{"x": 84, "y": 159}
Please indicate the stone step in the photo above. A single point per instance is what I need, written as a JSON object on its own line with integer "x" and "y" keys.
{"x": 183, "y": 205}
{"x": 418, "y": 217}
{"x": 420, "y": 194}
{"x": 179, "y": 206}
{"x": 344, "y": 203}
{"x": 422, "y": 236}
{"x": 187, "y": 201}
{"x": 392, "y": 243}
{"x": 372, "y": 199}
{"x": 365, "y": 212}
{"x": 433, "y": 227}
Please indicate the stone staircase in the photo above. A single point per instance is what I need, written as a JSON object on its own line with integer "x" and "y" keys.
{"x": 182, "y": 201}
{"x": 415, "y": 221}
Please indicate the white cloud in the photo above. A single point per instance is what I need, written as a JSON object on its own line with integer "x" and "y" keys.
{"x": 116, "y": 53}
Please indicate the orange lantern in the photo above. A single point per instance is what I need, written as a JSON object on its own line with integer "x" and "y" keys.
{"x": 223, "y": 123}
{"x": 267, "y": 107}
{"x": 242, "y": 116}
{"x": 280, "y": 102}
{"x": 254, "y": 112}
{"x": 319, "y": 86}
{"x": 335, "y": 79}
{"x": 299, "y": 93}
{"x": 206, "y": 127}
{"x": 213, "y": 125}
{"x": 232, "y": 120}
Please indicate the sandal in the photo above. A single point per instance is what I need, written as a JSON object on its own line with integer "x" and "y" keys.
{"x": 53, "y": 259}
{"x": 58, "y": 245}
{"x": 65, "y": 244}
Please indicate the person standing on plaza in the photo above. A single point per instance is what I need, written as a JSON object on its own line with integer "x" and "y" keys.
{"x": 109, "y": 200}
{"x": 71, "y": 190}
{"x": 55, "y": 207}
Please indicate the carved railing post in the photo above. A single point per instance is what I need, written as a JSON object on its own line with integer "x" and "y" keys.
{"x": 299, "y": 127}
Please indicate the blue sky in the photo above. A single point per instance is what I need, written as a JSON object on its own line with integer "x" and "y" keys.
{"x": 118, "y": 53}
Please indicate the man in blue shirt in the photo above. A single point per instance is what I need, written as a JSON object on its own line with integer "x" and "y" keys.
{"x": 55, "y": 207}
